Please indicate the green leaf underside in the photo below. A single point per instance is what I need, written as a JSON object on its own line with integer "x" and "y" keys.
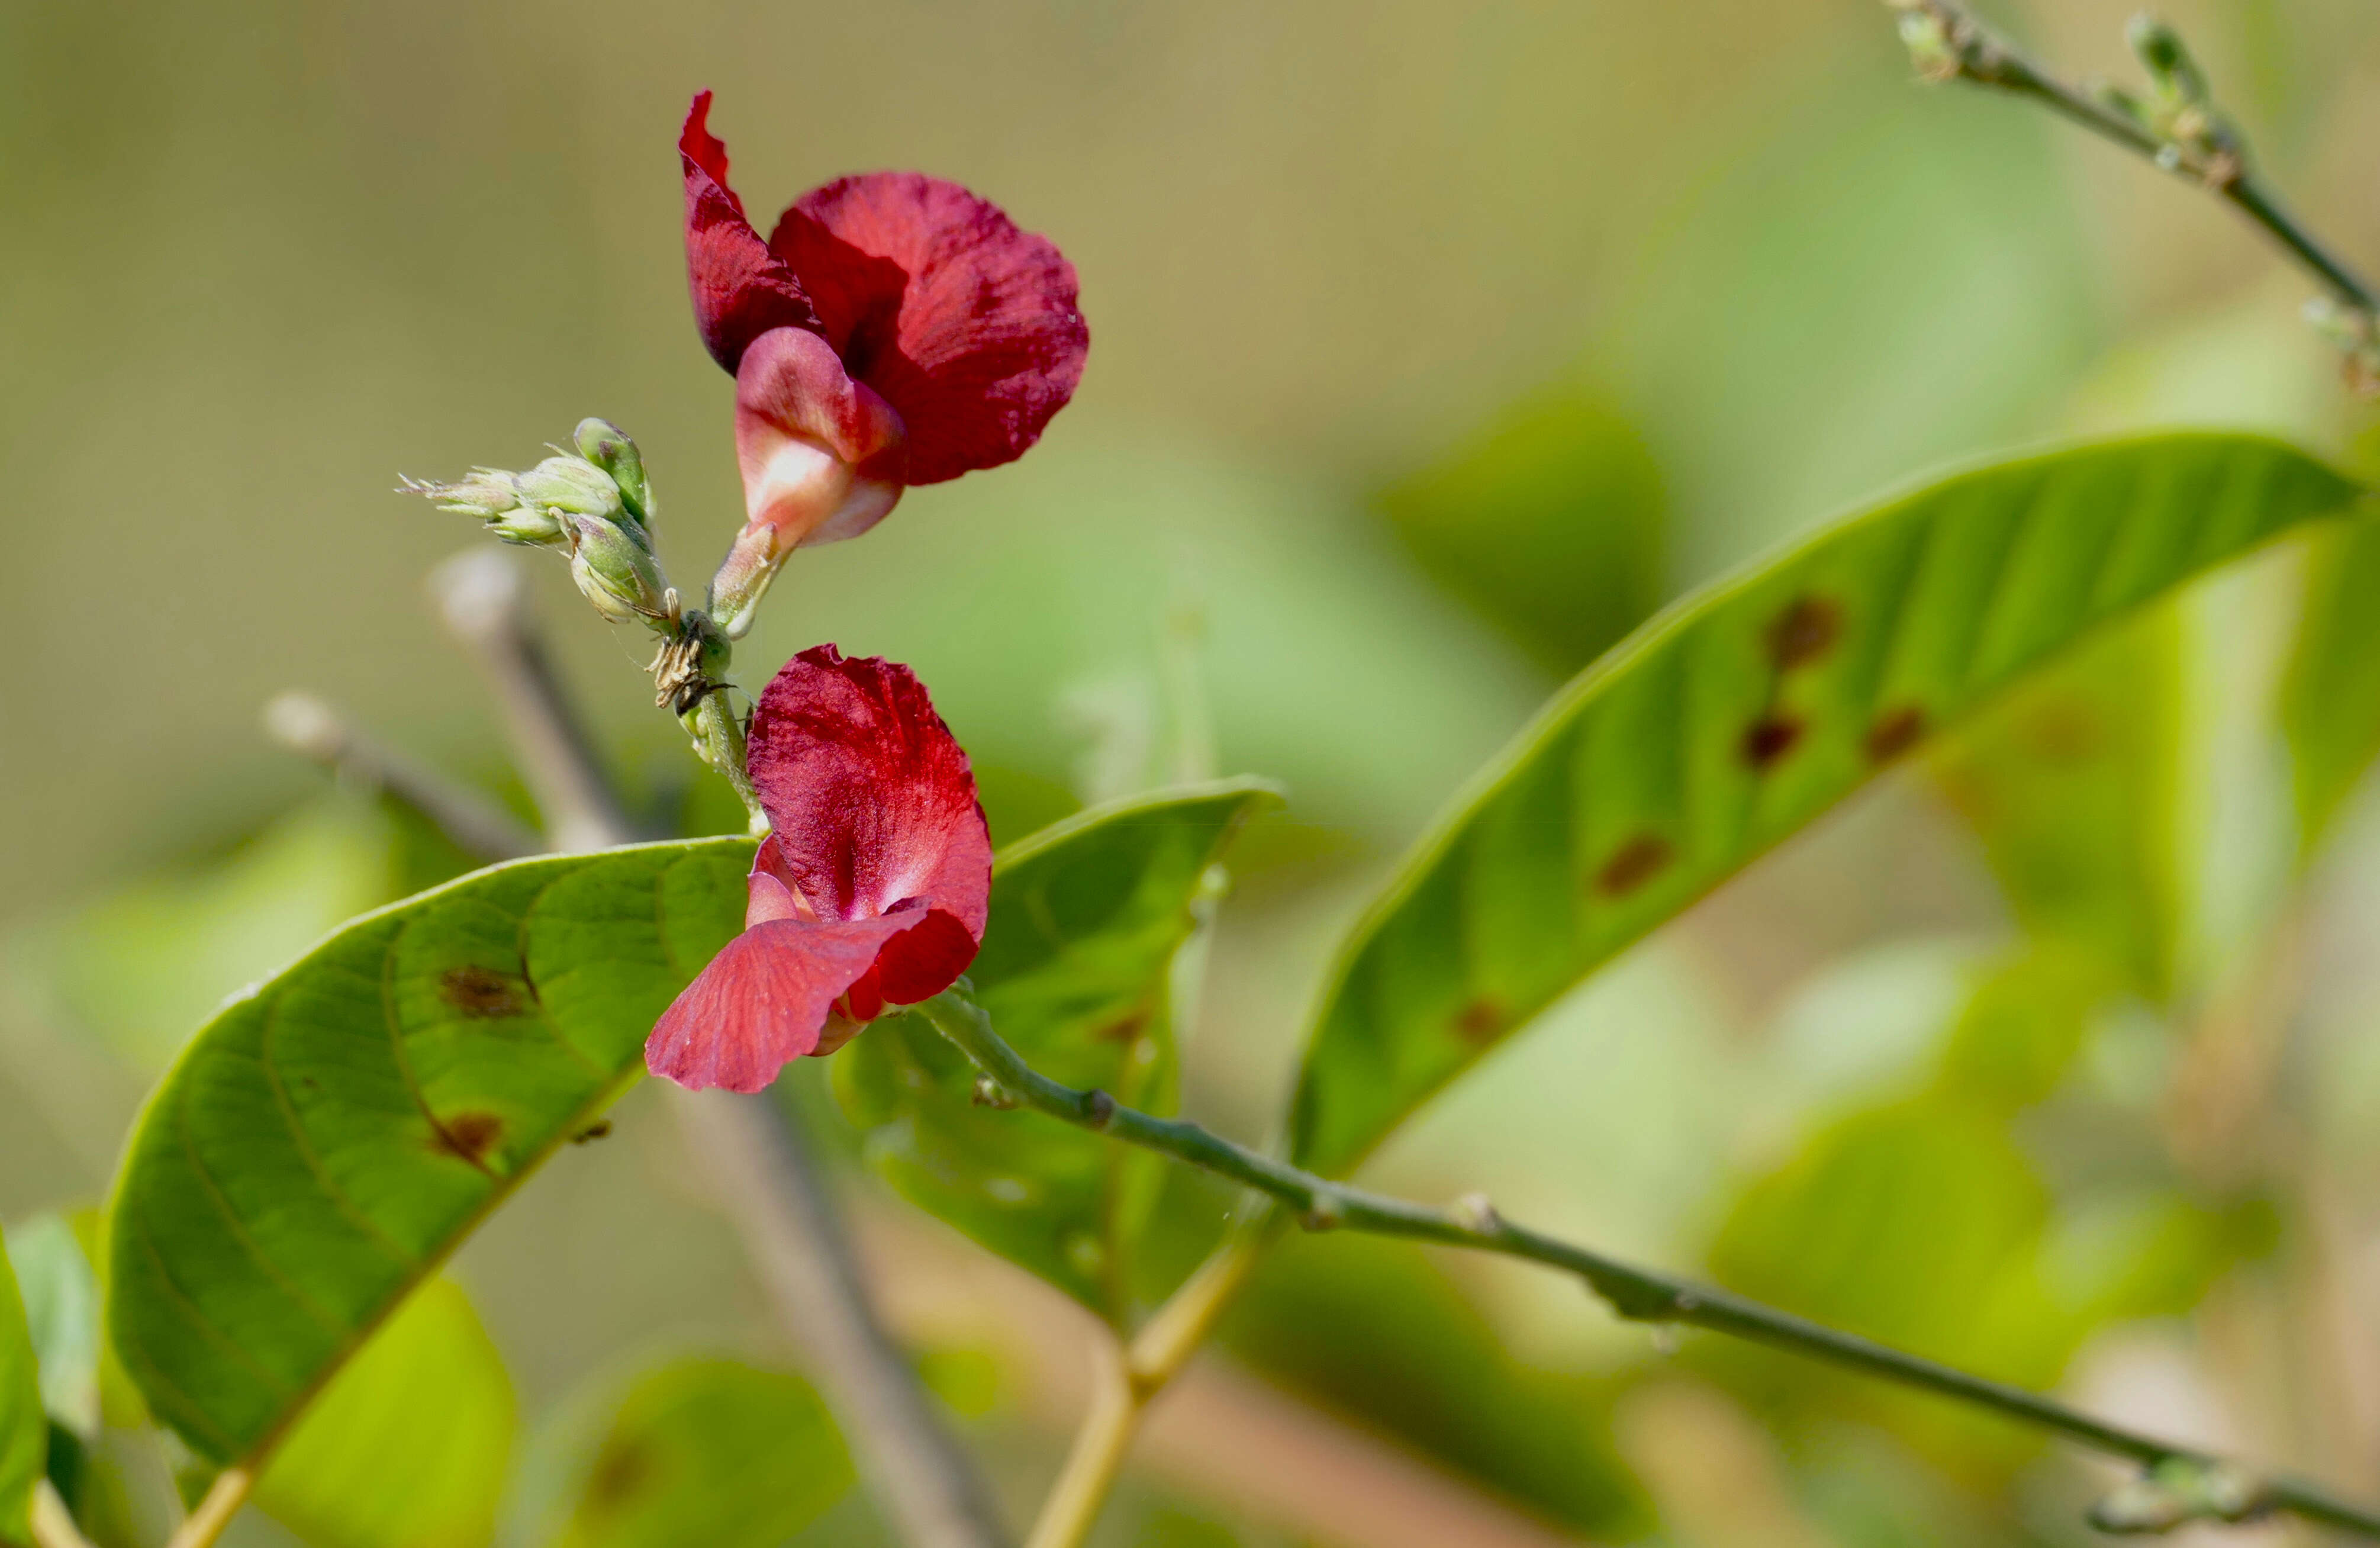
{"x": 1087, "y": 918}
{"x": 24, "y": 1427}
{"x": 1739, "y": 714}
{"x": 61, "y": 1300}
{"x": 325, "y": 1143}
{"x": 409, "y": 1446}
{"x": 709, "y": 1451}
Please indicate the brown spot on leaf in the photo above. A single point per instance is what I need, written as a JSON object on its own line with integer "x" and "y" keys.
{"x": 594, "y": 1131}
{"x": 468, "y": 1136}
{"x": 1894, "y": 733}
{"x": 479, "y": 991}
{"x": 2066, "y": 731}
{"x": 1480, "y": 1020}
{"x": 1768, "y": 739}
{"x": 620, "y": 1470}
{"x": 1125, "y": 1027}
{"x": 1632, "y": 864}
{"x": 1805, "y": 631}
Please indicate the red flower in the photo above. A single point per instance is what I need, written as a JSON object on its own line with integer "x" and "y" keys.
{"x": 872, "y": 891}
{"x": 893, "y": 329}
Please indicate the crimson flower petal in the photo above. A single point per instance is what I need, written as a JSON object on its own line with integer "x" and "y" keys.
{"x": 968, "y": 325}
{"x": 764, "y": 1001}
{"x": 872, "y": 801}
{"x": 740, "y": 289}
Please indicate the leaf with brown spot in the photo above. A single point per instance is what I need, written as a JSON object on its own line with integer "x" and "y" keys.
{"x": 1480, "y": 1020}
{"x": 1894, "y": 733}
{"x": 1768, "y": 739}
{"x": 1805, "y": 632}
{"x": 1632, "y": 864}
{"x": 469, "y": 1136}
{"x": 1708, "y": 728}
{"x": 479, "y": 991}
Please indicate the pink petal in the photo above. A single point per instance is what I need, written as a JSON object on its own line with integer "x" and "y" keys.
{"x": 968, "y": 325}
{"x": 821, "y": 454}
{"x": 740, "y": 289}
{"x": 764, "y": 1001}
{"x": 873, "y": 802}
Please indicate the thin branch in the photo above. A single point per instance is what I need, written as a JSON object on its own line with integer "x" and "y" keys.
{"x": 1950, "y": 44}
{"x": 2218, "y": 1489}
{"x": 477, "y": 826}
{"x": 224, "y": 1498}
{"x": 928, "y": 1490}
{"x": 483, "y": 597}
{"x": 54, "y": 1524}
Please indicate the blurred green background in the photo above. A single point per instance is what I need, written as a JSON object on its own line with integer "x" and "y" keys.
{"x": 1434, "y": 346}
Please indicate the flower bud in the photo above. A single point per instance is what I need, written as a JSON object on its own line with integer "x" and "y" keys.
{"x": 494, "y": 496}
{"x": 571, "y": 485}
{"x": 2167, "y": 58}
{"x": 607, "y": 446}
{"x": 617, "y": 573}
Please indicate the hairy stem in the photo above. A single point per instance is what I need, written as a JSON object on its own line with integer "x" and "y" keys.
{"x": 1970, "y": 50}
{"x": 928, "y": 1490}
{"x": 1636, "y": 1294}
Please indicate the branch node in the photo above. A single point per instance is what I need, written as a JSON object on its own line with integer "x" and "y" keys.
{"x": 1326, "y": 1212}
{"x": 993, "y": 1094}
{"x": 1098, "y": 1108}
{"x": 1475, "y": 1215}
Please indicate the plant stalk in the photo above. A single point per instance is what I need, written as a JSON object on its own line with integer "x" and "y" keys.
{"x": 1636, "y": 1294}
{"x": 928, "y": 1490}
{"x": 224, "y": 1498}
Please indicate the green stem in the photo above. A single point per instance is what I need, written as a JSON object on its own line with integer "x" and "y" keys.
{"x": 1985, "y": 57}
{"x": 1637, "y": 1294}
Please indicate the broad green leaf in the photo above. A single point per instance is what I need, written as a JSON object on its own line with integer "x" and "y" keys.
{"x": 1087, "y": 918}
{"x": 409, "y": 1445}
{"x": 708, "y": 1451}
{"x": 2070, "y": 782}
{"x": 1741, "y": 713}
{"x": 61, "y": 1296}
{"x": 324, "y": 1143}
{"x": 1549, "y": 522}
{"x": 2330, "y": 702}
{"x": 24, "y": 1427}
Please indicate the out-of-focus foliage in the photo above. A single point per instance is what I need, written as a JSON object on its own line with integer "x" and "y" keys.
{"x": 2330, "y": 704}
{"x": 707, "y": 1450}
{"x": 2070, "y": 783}
{"x": 1076, "y": 971}
{"x": 1728, "y": 724}
{"x": 61, "y": 1298}
{"x": 1549, "y": 522}
{"x": 328, "y": 1140}
{"x": 24, "y": 1429}
{"x": 410, "y": 1444}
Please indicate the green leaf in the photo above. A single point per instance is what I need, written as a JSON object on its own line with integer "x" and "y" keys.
{"x": 24, "y": 1427}
{"x": 2070, "y": 782}
{"x": 328, "y": 1140}
{"x": 1549, "y": 522}
{"x": 409, "y": 1445}
{"x": 2330, "y": 701}
{"x": 709, "y": 1451}
{"x": 61, "y": 1296}
{"x": 1087, "y": 918}
{"x": 1739, "y": 714}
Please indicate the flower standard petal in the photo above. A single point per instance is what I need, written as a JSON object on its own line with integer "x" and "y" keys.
{"x": 968, "y": 325}
{"x": 872, "y": 799}
{"x": 740, "y": 289}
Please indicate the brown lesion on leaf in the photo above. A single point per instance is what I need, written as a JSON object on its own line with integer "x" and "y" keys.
{"x": 479, "y": 992}
{"x": 599, "y": 1128}
{"x": 1894, "y": 733}
{"x": 467, "y": 1136}
{"x": 1768, "y": 739}
{"x": 1805, "y": 632}
{"x": 1481, "y": 1020}
{"x": 1125, "y": 1027}
{"x": 620, "y": 1472}
{"x": 1634, "y": 864}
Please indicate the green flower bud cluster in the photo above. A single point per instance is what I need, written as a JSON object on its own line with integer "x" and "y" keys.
{"x": 593, "y": 504}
